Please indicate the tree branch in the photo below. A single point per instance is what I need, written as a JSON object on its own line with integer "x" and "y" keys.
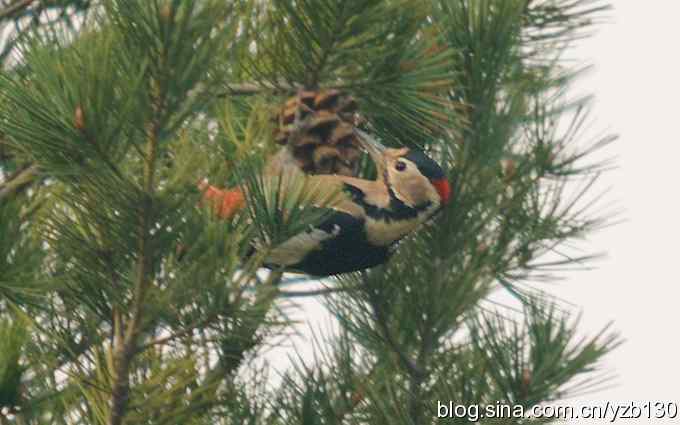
{"x": 266, "y": 298}
{"x": 312, "y": 293}
{"x": 126, "y": 344}
{"x": 18, "y": 181}
{"x": 407, "y": 363}
{"x": 250, "y": 89}
{"x": 183, "y": 332}
{"x": 15, "y": 8}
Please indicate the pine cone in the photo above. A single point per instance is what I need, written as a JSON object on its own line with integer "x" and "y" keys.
{"x": 317, "y": 129}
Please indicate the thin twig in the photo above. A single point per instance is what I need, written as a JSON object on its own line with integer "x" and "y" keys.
{"x": 249, "y": 89}
{"x": 185, "y": 331}
{"x": 312, "y": 293}
{"x": 18, "y": 181}
{"x": 126, "y": 349}
{"x": 404, "y": 359}
{"x": 14, "y": 8}
{"x": 265, "y": 297}
{"x": 358, "y": 395}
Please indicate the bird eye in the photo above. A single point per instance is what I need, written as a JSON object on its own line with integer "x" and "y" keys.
{"x": 400, "y": 166}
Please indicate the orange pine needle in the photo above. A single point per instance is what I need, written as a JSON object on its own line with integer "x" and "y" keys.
{"x": 225, "y": 203}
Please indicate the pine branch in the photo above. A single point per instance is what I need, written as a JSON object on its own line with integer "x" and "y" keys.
{"x": 18, "y": 182}
{"x": 126, "y": 344}
{"x": 314, "y": 292}
{"x": 264, "y": 301}
{"x": 416, "y": 380}
{"x": 15, "y": 8}
{"x": 186, "y": 330}
{"x": 411, "y": 367}
{"x": 327, "y": 48}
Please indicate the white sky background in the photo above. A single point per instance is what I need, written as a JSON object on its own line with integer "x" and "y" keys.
{"x": 636, "y": 81}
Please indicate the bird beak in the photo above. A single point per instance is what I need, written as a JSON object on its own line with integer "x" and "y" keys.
{"x": 374, "y": 148}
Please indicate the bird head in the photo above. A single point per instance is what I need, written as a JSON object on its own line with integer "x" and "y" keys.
{"x": 409, "y": 173}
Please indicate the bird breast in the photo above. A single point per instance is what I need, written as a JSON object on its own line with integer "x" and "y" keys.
{"x": 383, "y": 231}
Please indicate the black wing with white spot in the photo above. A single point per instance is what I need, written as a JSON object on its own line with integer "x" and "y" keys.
{"x": 338, "y": 245}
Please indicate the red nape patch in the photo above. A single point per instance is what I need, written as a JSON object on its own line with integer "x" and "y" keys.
{"x": 444, "y": 189}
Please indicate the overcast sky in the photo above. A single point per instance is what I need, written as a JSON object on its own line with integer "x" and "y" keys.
{"x": 636, "y": 84}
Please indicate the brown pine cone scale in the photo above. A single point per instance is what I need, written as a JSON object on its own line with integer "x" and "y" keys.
{"x": 317, "y": 128}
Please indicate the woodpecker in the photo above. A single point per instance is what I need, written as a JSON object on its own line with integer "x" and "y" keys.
{"x": 370, "y": 217}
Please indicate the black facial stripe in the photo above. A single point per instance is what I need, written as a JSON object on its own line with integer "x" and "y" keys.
{"x": 400, "y": 210}
{"x": 397, "y": 209}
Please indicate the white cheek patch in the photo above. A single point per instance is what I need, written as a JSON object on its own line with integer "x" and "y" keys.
{"x": 296, "y": 248}
{"x": 411, "y": 187}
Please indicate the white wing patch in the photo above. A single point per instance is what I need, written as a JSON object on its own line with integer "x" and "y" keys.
{"x": 296, "y": 248}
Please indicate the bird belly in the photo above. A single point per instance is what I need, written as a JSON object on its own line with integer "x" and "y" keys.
{"x": 338, "y": 245}
{"x": 336, "y": 257}
{"x": 384, "y": 233}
